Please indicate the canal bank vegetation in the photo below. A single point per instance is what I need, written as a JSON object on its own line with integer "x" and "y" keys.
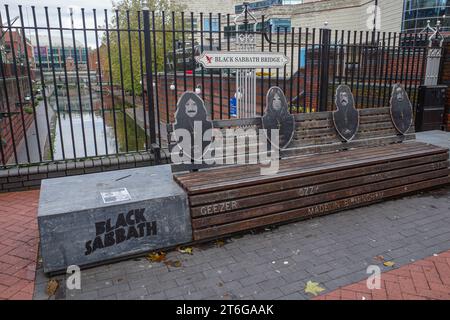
{"x": 125, "y": 49}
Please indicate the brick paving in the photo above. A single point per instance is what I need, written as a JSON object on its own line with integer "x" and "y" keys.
{"x": 422, "y": 280}
{"x": 334, "y": 251}
{"x": 18, "y": 244}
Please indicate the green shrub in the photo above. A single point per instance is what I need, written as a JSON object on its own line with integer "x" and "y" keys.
{"x": 28, "y": 110}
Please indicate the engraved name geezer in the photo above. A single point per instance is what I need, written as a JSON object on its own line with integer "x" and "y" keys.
{"x": 218, "y": 208}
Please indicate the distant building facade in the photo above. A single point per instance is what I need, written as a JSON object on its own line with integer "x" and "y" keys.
{"x": 54, "y": 56}
{"x": 418, "y": 12}
{"x": 286, "y": 14}
{"x": 15, "y": 89}
{"x": 20, "y": 46}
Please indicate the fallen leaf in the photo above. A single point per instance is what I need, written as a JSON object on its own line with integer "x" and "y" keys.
{"x": 156, "y": 257}
{"x": 187, "y": 250}
{"x": 52, "y": 286}
{"x": 389, "y": 263}
{"x": 170, "y": 263}
{"x": 220, "y": 284}
{"x": 220, "y": 243}
{"x": 313, "y": 288}
{"x": 177, "y": 264}
{"x": 379, "y": 258}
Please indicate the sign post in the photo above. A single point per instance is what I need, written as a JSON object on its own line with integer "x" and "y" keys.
{"x": 246, "y": 78}
{"x": 246, "y": 60}
{"x": 242, "y": 59}
{"x": 246, "y": 63}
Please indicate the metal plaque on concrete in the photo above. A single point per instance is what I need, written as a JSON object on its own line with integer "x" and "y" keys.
{"x": 346, "y": 116}
{"x": 86, "y": 230}
{"x": 191, "y": 115}
{"x": 277, "y": 116}
{"x": 118, "y": 195}
{"x": 401, "y": 109}
{"x": 242, "y": 59}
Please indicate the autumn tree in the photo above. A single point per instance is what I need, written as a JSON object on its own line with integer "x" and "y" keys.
{"x": 126, "y": 16}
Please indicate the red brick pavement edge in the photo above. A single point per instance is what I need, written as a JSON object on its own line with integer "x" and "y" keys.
{"x": 427, "y": 279}
{"x": 18, "y": 244}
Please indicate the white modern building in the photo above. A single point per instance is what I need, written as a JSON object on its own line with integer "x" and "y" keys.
{"x": 391, "y": 16}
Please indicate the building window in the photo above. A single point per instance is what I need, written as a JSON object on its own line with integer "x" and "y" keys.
{"x": 211, "y": 26}
{"x": 292, "y": 1}
{"x": 258, "y": 5}
{"x": 417, "y": 12}
{"x": 191, "y": 23}
{"x": 283, "y": 25}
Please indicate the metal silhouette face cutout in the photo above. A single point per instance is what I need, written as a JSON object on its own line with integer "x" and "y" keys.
{"x": 277, "y": 116}
{"x": 191, "y": 108}
{"x": 401, "y": 109}
{"x": 191, "y": 115}
{"x": 346, "y": 117}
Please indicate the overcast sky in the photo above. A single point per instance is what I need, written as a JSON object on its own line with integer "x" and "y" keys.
{"x": 52, "y": 5}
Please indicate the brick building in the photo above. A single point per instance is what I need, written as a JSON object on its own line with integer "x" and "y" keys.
{"x": 15, "y": 42}
{"x": 57, "y": 53}
{"x": 445, "y": 79}
{"x": 14, "y": 91}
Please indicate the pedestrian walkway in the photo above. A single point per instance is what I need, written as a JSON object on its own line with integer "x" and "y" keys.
{"x": 277, "y": 263}
{"x": 333, "y": 251}
{"x": 18, "y": 244}
{"x": 34, "y": 145}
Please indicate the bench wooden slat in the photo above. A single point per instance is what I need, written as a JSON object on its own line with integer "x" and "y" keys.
{"x": 318, "y": 209}
{"x": 292, "y": 197}
{"x": 375, "y": 119}
{"x": 247, "y": 176}
{"x": 229, "y": 123}
{"x": 296, "y": 149}
{"x": 309, "y": 161}
{"x": 297, "y": 173}
{"x": 312, "y": 163}
{"x": 238, "y": 193}
{"x": 315, "y": 161}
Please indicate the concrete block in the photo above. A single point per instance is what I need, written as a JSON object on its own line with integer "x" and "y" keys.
{"x": 90, "y": 219}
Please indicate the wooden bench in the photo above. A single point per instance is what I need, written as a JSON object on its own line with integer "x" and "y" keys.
{"x": 318, "y": 174}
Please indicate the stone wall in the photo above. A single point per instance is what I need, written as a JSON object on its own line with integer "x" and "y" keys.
{"x": 30, "y": 177}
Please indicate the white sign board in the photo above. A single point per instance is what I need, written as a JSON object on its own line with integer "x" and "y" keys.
{"x": 113, "y": 196}
{"x": 242, "y": 60}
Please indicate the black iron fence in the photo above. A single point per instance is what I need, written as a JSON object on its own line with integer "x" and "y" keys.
{"x": 107, "y": 84}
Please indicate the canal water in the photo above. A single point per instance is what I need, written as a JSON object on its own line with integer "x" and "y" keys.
{"x": 104, "y": 133}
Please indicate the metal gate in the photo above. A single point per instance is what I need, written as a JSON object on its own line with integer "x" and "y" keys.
{"x": 92, "y": 91}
